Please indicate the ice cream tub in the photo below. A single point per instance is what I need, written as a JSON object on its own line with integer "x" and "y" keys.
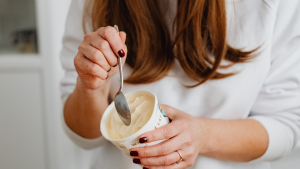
{"x": 147, "y": 115}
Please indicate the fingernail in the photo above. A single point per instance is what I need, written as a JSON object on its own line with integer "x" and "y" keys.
{"x": 107, "y": 77}
{"x": 121, "y": 53}
{"x": 136, "y": 161}
{"x": 115, "y": 65}
{"x": 143, "y": 140}
{"x": 145, "y": 168}
{"x": 134, "y": 153}
{"x": 109, "y": 70}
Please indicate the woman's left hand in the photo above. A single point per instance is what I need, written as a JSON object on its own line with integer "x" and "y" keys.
{"x": 184, "y": 135}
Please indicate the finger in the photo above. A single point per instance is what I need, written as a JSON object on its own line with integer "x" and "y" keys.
{"x": 170, "y": 111}
{"x": 123, "y": 37}
{"x": 95, "y": 56}
{"x": 85, "y": 66}
{"x": 164, "y": 132}
{"x": 159, "y": 161}
{"x": 112, "y": 36}
{"x": 161, "y": 149}
{"x": 105, "y": 48}
{"x": 181, "y": 165}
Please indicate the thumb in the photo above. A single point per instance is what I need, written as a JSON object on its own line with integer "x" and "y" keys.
{"x": 170, "y": 111}
{"x": 123, "y": 36}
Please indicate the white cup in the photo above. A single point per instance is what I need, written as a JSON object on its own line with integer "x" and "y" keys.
{"x": 157, "y": 119}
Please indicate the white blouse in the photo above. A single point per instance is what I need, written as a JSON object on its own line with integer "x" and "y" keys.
{"x": 266, "y": 89}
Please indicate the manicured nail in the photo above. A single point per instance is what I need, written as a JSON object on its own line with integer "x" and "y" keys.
{"x": 109, "y": 70}
{"x": 107, "y": 77}
{"x": 121, "y": 53}
{"x": 136, "y": 161}
{"x": 143, "y": 140}
{"x": 134, "y": 153}
{"x": 115, "y": 65}
{"x": 145, "y": 168}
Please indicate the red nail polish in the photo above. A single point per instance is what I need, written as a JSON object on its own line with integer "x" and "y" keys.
{"x": 136, "y": 161}
{"x": 109, "y": 70}
{"x": 143, "y": 140}
{"x": 121, "y": 53}
{"x": 115, "y": 65}
{"x": 134, "y": 153}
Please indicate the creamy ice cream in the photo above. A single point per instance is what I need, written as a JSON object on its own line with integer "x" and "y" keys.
{"x": 141, "y": 108}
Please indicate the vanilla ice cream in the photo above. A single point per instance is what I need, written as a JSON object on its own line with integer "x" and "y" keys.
{"x": 141, "y": 108}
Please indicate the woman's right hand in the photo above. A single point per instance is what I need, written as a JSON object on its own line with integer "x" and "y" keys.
{"x": 96, "y": 59}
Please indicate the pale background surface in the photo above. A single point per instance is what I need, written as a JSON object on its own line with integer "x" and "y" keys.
{"x": 31, "y": 135}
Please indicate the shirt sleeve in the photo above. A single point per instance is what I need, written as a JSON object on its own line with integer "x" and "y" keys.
{"x": 277, "y": 106}
{"x": 72, "y": 38}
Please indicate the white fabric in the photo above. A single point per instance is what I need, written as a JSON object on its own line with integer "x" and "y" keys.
{"x": 266, "y": 89}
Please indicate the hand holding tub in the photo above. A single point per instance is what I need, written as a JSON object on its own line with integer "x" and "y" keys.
{"x": 188, "y": 136}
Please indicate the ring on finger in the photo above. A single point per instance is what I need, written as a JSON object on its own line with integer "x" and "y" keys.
{"x": 181, "y": 158}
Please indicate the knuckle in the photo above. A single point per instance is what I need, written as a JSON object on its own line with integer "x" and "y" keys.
{"x": 104, "y": 45}
{"x": 146, "y": 152}
{"x": 103, "y": 64}
{"x": 100, "y": 29}
{"x": 152, "y": 136}
{"x": 167, "y": 132}
{"x": 166, "y": 160}
{"x": 88, "y": 36}
{"x": 184, "y": 125}
{"x": 145, "y": 161}
{"x": 114, "y": 61}
{"x": 93, "y": 68}
{"x": 76, "y": 61}
{"x": 188, "y": 141}
{"x": 80, "y": 47}
{"x": 95, "y": 56}
{"x": 108, "y": 31}
{"x": 164, "y": 149}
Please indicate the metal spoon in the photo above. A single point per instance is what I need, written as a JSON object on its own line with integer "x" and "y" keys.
{"x": 121, "y": 103}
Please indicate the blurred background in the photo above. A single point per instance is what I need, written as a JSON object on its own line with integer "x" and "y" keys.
{"x": 31, "y": 135}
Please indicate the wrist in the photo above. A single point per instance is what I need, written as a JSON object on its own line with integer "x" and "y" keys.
{"x": 207, "y": 141}
{"x": 103, "y": 90}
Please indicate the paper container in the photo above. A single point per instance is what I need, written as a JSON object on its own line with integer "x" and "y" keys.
{"x": 157, "y": 119}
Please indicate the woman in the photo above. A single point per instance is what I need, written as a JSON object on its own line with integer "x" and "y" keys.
{"x": 226, "y": 71}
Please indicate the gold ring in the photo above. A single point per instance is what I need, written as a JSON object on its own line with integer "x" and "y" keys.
{"x": 180, "y": 157}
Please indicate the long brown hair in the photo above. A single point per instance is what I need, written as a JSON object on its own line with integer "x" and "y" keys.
{"x": 200, "y": 32}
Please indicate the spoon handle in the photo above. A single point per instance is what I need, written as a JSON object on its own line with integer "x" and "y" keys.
{"x": 121, "y": 73}
{"x": 120, "y": 66}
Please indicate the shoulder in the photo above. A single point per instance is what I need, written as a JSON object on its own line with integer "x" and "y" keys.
{"x": 252, "y": 23}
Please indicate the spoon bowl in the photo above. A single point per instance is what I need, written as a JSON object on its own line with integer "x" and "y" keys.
{"x": 123, "y": 108}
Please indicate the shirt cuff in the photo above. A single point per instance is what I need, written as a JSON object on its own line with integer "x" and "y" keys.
{"x": 80, "y": 141}
{"x": 280, "y": 138}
